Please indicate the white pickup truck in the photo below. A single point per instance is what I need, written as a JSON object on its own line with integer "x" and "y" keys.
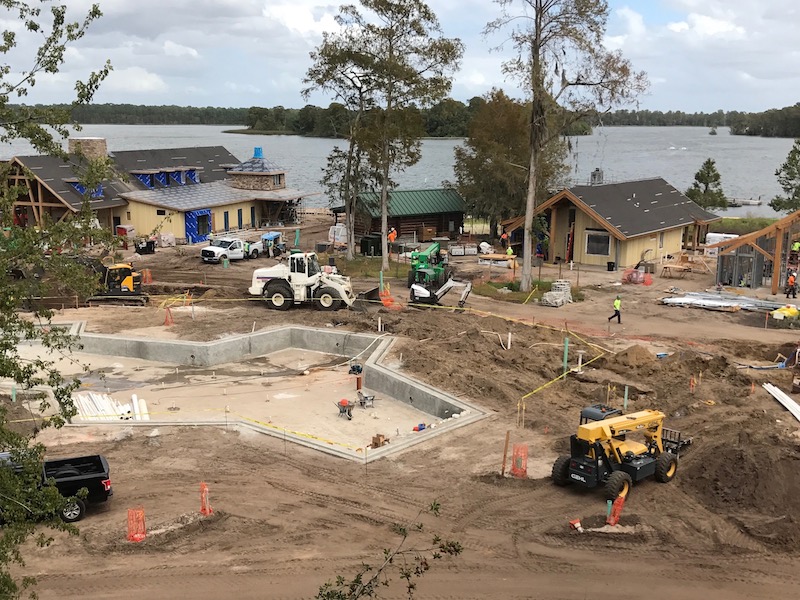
{"x": 232, "y": 249}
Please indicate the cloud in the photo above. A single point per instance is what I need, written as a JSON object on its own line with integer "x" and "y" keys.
{"x": 734, "y": 55}
{"x": 173, "y": 49}
{"x": 699, "y": 54}
{"x": 134, "y": 80}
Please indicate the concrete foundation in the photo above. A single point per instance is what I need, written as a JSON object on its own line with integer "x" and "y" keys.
{"x": 444, "y": 411}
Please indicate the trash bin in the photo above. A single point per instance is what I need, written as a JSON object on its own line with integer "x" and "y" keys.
{"x": 612, "y": 266}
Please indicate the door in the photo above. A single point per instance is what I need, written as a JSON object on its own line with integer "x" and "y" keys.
{"x": 117, "y": 221}
{"x": 227, "y": 220}
{"x": 240, "y": 218}
{"x": 252, "y": 216}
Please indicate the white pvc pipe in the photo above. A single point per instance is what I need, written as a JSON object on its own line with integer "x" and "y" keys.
{"x": 145, "y": 416}
{"x": 135, "y": 404}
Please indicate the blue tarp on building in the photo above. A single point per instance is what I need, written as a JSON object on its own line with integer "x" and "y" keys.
{"x": 193, "y": 231}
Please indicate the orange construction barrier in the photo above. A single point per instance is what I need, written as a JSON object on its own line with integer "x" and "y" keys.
{"x": 205, "y": 505}
{"x": 168, "y": 320}
{"x": 616, "y": 511}
{"x": 137, "y": 530}
{"x": 519, "y": 461}
{"x": 147, "y": 276}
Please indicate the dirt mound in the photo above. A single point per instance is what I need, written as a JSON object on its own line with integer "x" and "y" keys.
{"x": 635, "y": 356}
{"x": 751, "y": 478}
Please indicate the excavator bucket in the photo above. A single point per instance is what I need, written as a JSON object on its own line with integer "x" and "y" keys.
{"x": 367, "y": 301}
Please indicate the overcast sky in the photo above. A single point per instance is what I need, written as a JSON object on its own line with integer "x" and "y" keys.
{"x": 700, "y": 55}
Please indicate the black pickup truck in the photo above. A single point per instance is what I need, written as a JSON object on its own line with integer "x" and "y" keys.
{"x": 70, "y": 475}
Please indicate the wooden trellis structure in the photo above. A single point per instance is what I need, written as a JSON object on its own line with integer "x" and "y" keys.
{"x": 782, "y": 232}
{"x": 39, "y": 200}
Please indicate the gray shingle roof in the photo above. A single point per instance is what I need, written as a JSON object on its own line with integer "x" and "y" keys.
{"x": 55, "y": 173}
{"x": 208, "y": 159}
{"x": 639, "y": 207}
{"x": 207, "y": 195}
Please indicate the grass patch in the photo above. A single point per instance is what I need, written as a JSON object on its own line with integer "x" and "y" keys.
{"x": 367, "y": 267}
{"x": 741, "y": 226}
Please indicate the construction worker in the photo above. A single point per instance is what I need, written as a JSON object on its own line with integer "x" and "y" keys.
{"x": 504, "y": 239}
{"x": 791, "y": 285}
{"x": 617, "y": 307}
{"x": 392, "y": 235}
{"x": 509, "y": 251}
{"x": 796, "y": 246}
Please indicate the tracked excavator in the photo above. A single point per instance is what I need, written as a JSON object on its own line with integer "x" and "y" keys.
{"x": 119, "y": 283}
{"x": 427, "y": 290}
{"x": 601, "y": 453}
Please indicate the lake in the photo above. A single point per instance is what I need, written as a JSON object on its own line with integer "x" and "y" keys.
{"x": 747, "y": 164}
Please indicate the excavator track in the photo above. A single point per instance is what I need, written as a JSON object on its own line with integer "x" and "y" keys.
{"x": 118, "y": 300}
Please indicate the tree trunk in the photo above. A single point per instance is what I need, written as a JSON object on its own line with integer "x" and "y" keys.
{"x": 525, "y": 283}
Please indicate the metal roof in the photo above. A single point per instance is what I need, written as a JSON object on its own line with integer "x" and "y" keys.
{"x": 257, "y": 165}
{"x": 206, "y": 195}
{"x": 405, "y": 203}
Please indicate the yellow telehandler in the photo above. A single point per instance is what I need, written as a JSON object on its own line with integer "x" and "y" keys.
{"x": 601, "y": 453}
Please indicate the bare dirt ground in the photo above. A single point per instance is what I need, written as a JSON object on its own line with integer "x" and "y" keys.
{"x": 289, "y": 519}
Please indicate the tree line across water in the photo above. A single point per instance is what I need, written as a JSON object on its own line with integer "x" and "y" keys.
{"x": 447, "y": 118}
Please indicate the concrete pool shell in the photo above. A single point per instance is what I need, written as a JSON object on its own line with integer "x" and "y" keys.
{"x": 256, "y": 381}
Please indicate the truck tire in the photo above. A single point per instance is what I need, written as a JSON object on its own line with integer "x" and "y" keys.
{"x": 666, "y": 467}
{"x": 279, "y": 296}
{"x": 223, "y": 257}
{"x": 327, "y": 299}
{"x": 560, "y": 474}
{"x": 618, "y": 485}
{"x": 254, "y": 254}
{"x": 73, "y": 511}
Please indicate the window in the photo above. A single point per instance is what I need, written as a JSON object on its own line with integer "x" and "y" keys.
{"x": 203, "y": 224}
{"x": 128, "y": 216}
{"x": 276, "y": 179}
{"x": 598, "y": 243}
{"x": 161, "y": 212}
{"x": 661, "y": 240}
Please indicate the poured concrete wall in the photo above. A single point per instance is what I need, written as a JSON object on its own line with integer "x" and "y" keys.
{"x": 370, "y": 350}
{"x": 230, "y": 349}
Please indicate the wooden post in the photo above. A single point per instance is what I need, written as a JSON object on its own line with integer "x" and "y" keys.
{"x": 777, "y": 261}
{"x": 505, "y": 454}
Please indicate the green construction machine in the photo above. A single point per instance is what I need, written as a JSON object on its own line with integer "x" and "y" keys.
{"x": 433, "y": 266}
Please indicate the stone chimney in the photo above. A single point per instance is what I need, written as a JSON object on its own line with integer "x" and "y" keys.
{"x": 91, "y": 147}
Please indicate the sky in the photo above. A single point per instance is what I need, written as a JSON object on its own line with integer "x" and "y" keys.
{"x": 700, "y": 55}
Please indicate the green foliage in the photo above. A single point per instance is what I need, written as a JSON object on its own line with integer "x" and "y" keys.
{"x": 740, "y": 225}
{"x": 563, "y": 64}
{"x": 34, "y": 262}
{"x": 491, "y": 167}
{"x": 706, "y": 189}
{"x": 386, "y": 62}
{"x": 783, "y": 122}
{"x": 406, "y": 563}
{"x": 789, "y": 179}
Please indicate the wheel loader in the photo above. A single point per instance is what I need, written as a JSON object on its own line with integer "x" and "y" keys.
{"x": 602, "y": 453}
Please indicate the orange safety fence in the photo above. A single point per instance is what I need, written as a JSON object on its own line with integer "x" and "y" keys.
{"x": 616, "y": 511}
{"x": 519, "y": 461}
{"x": 147, "y": 276}
{"x": 205, "y": 504}
{"x": 168, "y": 320}
{"x": 137, "y": 529}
